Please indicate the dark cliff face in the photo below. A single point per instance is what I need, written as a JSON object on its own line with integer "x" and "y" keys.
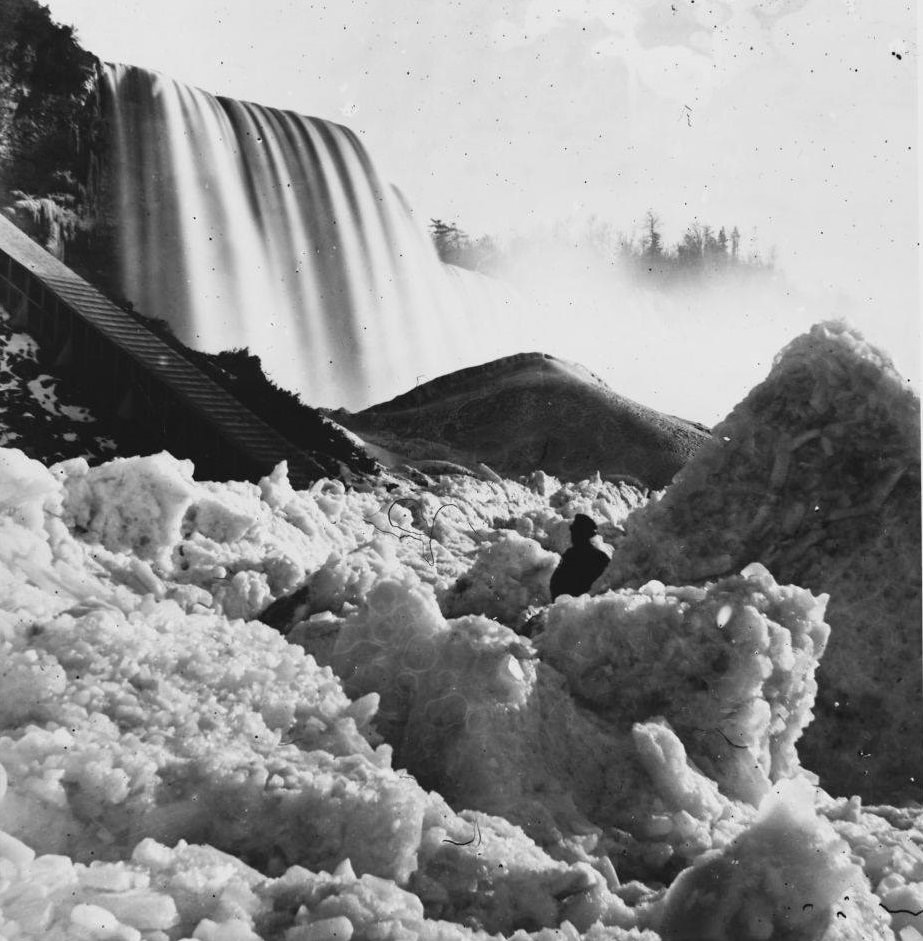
{"x": 49, "y": 133}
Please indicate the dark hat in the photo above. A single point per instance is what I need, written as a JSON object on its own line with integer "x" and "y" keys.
{"x": 583, "y": 525}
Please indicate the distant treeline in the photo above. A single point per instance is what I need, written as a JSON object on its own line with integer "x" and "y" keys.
{"x": 455, "y": 247}
{"x": 704, "y": 251}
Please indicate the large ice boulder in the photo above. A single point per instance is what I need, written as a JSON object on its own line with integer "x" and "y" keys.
{"x": 731, "y": 667}
{"x": 25, "y": 488}
{"x": 510, "y": 574}
{"x": 135, "y": 503}
{"x": 816, "y": 474}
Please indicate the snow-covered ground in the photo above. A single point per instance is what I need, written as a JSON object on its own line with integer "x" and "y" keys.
{"x": 395, "y": 758}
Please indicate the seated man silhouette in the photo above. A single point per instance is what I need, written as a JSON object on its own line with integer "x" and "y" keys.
{"x": 582, "y": 564}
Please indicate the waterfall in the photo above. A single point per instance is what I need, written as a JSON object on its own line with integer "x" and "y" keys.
{"x": 243, "y": 225}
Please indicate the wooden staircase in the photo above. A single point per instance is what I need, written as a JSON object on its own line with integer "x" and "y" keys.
{"x": 125, "y": 369}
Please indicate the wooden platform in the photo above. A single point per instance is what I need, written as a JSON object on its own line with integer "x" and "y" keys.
{"x": 124, "y": 368}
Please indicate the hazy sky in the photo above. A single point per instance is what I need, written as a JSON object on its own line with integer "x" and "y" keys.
{"x": 794, "y": 119}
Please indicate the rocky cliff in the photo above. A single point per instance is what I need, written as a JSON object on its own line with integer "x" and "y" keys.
{"x": 50, "y": 136}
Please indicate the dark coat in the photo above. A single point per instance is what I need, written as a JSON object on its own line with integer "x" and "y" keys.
{"x": 581, "y": 565}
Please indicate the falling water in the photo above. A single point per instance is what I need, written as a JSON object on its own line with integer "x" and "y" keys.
{"x": 242, "y": 225}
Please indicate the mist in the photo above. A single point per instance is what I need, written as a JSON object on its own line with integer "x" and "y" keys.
{"x": 691, "y": 348}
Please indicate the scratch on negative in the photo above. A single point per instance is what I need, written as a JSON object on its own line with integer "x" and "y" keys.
{"x": 477, "y": 835}
{"x": 426, "y": 542}
{"x": 732, "y": 744}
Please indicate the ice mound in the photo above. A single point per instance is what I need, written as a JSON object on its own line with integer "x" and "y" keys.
{"x": 509, "y": 577}
{"x": 730, "y": 666}
{"x": 24, "y": 487}
{"x": 135, "y": 504}
{"x": 130, "y": 710}
{"x": 659, "y": 713}
{"x": 114, "y": 731}
{"x": 172, "y": 768}
{"x": 816, "y": 474}
{"x": 886, "y": 842}
{"x": 788, "y": 876}
{"x": 447, "y": 534}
